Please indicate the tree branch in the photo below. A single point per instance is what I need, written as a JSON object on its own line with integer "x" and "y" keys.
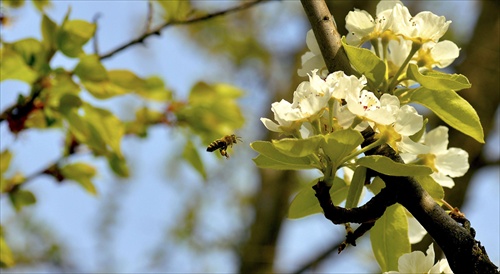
{"x": 157, "y": 30}
{"x": 329, "y": 40}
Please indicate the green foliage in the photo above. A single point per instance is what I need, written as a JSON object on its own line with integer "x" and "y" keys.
{"x": 175, "y": 10}
{"x": 298, "y": 147}
{"x": 13, "y": 67}
{"x": 340, "y": 144}
{"x": 389, "y": 238}
{"x": 452, "y": 109}
{"x": 366, "y": 63}
{"x": 212, "y": 111}
{"x": 305, "y": 202}
{"x": 72, "y": 35}
{"x": 270, "y": 157}
{"x": 21, "y": 198}
{"x": 438, "y": 81}
{"x": 82, "y": 174}
{"x": 191, "y": 155}
{"x": 432, "y": 187}
{"x": 6, "y": 258}
{"x": 387, "y": 166}
{"x": 356, "y": 187}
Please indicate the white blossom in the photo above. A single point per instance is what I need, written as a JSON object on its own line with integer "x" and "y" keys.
{"x": 312, "y": 59}
{"x": 418, "y": 262}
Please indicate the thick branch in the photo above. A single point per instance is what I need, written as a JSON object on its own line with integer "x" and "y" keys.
{"x": 157, "y": 30}
{"x": 329, "y": 40}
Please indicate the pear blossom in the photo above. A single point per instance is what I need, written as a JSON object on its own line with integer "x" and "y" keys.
{"x": 423, "y": 27}
{"x": 418, "y": 262}
{"x": 312, "y": 59}
{"x": 362, "y": 27}
{"x": 440, "y": 54}
{"x": 416, "y": 231}
{"x": 288, "y": 118}
{"x": 447, "y": 163}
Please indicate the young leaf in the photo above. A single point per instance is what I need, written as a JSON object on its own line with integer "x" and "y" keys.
{"x": 387, "y": 166}
{"x": 81, "y": 173}
{"x": 389, "y": 238}
{"x": 366, "y": 63}
{"x": 432, "y": 187}
{"x": 49, "y": 32}
{"x": 5, "y": 158}
{"x": 21, "y": 198}
{"x": 6, "y": 258}
{"x": 439, "y": 81}
{"x": 356, "y": 187}
{"x": 72, "y": 35}
{"x": 340, "y": 144}
{"x": 452, "y": 109}
{"x": 13, "y": 67}
{"x": 298, "y": 147}
{"x": 262, "y": 161}
{"x": 268, "y": 150}
{"x": 305, "y": 202}
{"x": 191, "y": 155}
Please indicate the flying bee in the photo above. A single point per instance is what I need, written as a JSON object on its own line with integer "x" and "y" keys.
{"x": 222, "y": 144}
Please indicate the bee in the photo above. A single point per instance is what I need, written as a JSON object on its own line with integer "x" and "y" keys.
{"x": 222, "y": 144}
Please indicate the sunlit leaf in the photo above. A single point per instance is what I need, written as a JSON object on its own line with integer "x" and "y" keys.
{"x": 274, "y": 158}
{"x": 5, "y": 158}
{"x": 376, "y": 185}
{"x": 298, "y": 147}
{"x": 175, "y": 10}
{"x": 452, "y": 109}
{"x": 340, "y": 144}
{"x": 82, "y": 174}
{"x": 72, "y": 35}
{"x": 305, "y": 202}
{"x": 356, "y": 187}
{"x": 389, "y": 238}
{"x": 191, "y": 155}
{"x": 438, "y": 81}
{"x": 40, "y": 5}
{"x": 118, "y": 164}
{"x": 13, "y": 67}
{"x": 21, "y": 198}
{"x": 6, "y": 258}
{"x": 366, "y": 63}
{"x": 49, "y": 32}
{"x": 432, "y": 187}
{"x": 387, "y": 166}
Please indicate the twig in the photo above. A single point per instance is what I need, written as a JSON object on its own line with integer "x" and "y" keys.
{"x": 157, "y": 30}
{"x": 95, "y": 42}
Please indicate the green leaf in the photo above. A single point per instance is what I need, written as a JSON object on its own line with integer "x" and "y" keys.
{"x": 5, "y": 158}
{"x": 82, "y": 174}
{"x": 340, "y": 144}
{"x": 432, "y": 187}
{"x": 175, "y": 10}
{"x": 49, "y": 32}
{"x": 6, "y": 258}
{"x": 376, "y": 185}
{"x": 212, "y": 111}
{"x": 90, "y": 69}
{"x": 389, "y": 238}
{"x": 305, "y": 202}
{"x": 356, "y": 187}
{"x": 40, "y": 5}
{"x": 108, "y": 127}
{"x": 439, "y": 81}
{"x": 387, "y": 166}
{"x": 155, "y": 89}
{"x": 191, "y": 155}
{"x": 262, "y": 161}
{"x": 452, "y": 109}
{"x": 14, "y": 67}
{"x": 298, "y": 147}
{"x": 366, "y": 63}
{"x": 21, "y": 198}
{"x": 274, "y": 158}
{"x": 72, "y": 35}
{"x": 118, "y": 164}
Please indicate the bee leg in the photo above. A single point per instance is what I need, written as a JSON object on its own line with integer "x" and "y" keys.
{"x": 223, "y": 152}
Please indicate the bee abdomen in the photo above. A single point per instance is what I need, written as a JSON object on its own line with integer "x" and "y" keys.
{"x": 216, "y": 145}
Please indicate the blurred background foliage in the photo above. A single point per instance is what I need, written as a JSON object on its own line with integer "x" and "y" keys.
{"x": 118, "y": 126}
